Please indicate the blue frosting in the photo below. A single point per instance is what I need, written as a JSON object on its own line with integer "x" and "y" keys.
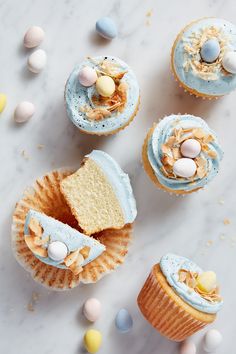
{"x": 61, "y": 232}
{"x": 224, "y": 84}
{"x": 78, "y": 96}
{"x": 161, "y": 134}
{"x": 170, "y": 265}
{"x": 120, "y": 183}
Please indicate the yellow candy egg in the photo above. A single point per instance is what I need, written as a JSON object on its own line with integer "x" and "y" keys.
{"x": 3, "y": 101}
{"x": 207, "y": 281}
{"x": 92, "y": 340}
{"x": 105, "y": 86}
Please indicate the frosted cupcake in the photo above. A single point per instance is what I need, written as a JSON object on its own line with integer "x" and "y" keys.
{"x": 102, "y": 95}
{"x": 178, "y": 298}
{"x": 181, "y": 154}
{"x": 203, "y": 57}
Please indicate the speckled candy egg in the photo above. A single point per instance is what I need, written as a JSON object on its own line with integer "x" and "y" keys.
{"x": 92, "y": 340}
{"x": 92, "y": 309}
{"x": 229, "y": 62}
{"x": 33, "y": 37}
{"x": 210, "y": 50}
{"x": 188, "y": 347}
{"x": 123, "y": 321}
{"x": 57, "y": 251}
{"x": 184, "y": 167}
{"x": 87, "y": 76}
{"x": 106, "y": 27}
{"x": 212, "y": 340}
{"x": 190, "y": 148}
{"x": 37, "y": 61}
{"x": 105, "y": 86}
{"x": 23, "y": 112}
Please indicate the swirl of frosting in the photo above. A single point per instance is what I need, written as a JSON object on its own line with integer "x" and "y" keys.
{"x": 162, "y": 132}
{"x": 170, "y": 265}
{"x": 78, "y": 96}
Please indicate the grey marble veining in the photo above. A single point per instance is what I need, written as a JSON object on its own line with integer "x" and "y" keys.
{"x": 192, "y": 226}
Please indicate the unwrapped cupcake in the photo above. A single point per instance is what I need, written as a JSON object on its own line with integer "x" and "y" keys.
{"x": 181, "y": 154}
{"x": 179, "y": 298}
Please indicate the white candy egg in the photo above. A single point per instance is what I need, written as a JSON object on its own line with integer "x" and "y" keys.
{"x": 23, "y": 112}
{"x": 92, "y": 309}
{"x": 229, "y": 62}
{"x": 184, "y": 167}
{"x": 33, "y": 37}
{"x": 57, "y": 251}
{"x": 190, "y": 148}
{"x": 37, "y": 61}
{"x": 188, "y": 347}
{"x": 212, "y": 340}
{"x": 87, "y": 76}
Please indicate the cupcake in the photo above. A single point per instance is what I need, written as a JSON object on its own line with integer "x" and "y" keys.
{"x": 203, "y": 58}
{"x": 102, "y": 95}
{"x": 99, "y": 194}
{"x": 49, "y": 244}
{"x": 178, "y": 298}
{"x": 181, "y": 154}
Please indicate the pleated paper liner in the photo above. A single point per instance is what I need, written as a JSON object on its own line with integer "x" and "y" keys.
{"x": 45, "y": 196}
{"x": 167, "y": 312}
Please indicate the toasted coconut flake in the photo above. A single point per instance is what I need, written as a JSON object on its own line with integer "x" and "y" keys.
{"x": 85, "y": 251}
{"x": 35, "y": 228}
{"x": 37, "y": 250}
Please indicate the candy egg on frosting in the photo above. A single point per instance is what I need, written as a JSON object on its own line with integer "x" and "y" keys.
{"x": 92, "y": 309}
{"x": 37, "y": 61}
{"x": 57, "y": 251}
{"x": 212, "y": 340}
{"x": 105, "y": 86}
{"x": 190, "y": 148}
{"x": 229, "y": 62}
{"x": 184, "y": 167}
{"x": 23, "y": 111}
{"x": 92, "y": 340}
{"x": 123, "y": 321}
{"x": 106, "y": 28}
{"x": 210, "y": 50}
{"x": 87, "y": 76}
{"x": 33, "y": 37}
{"x": 188, "y": 347}
{"x": 206, "y": 281}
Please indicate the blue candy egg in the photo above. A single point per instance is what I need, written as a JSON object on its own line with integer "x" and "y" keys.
{"x": 106, "y": 27}
{"x": 210, "y": 50}
{"x": 123, "y": 321}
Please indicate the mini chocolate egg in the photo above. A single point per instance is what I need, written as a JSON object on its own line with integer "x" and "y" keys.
{"x": 92, "y": 309}
{"x": 184, "y": 167}
{"x": 229, "y": 62}
{"x": 23, "y": 112}
{"x": 188, "y": 347}
{"x": 37, "y": 61}
{"x": 92, "y": 340}
{"x": 206, "y": 281}
{"x": 106, "y": 27}
{"x": 190, "y": 148}
{"x": 57, "y": 251}
{"x": 3, "y": 101}
{"x": 210, "y": 50}
{"x": 123, "y": 321}
{"x": 212, "y": 340}
{"x": 87, "y": 76}
{"x": 33, "y": 37}
{"x": 105, "y": 86}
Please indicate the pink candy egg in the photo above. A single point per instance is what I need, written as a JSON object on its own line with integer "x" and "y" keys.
{"x": 184, "y": 167}
{"x": 190, "y": 148}
{"x": 87, "y": 76}
{"x": 92, "y": 309}
{"x": 188, "y": 347}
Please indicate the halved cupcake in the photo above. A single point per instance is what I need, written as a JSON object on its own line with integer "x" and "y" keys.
{"x": 100, "y": 194}
{"x": 178, "y": 298}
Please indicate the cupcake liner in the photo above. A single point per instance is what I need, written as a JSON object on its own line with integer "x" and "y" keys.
{"x": 166, "y": 314}
{"x": 45, "y": 196}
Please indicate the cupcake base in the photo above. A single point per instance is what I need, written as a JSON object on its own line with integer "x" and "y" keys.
{"x": 166, "y": 311}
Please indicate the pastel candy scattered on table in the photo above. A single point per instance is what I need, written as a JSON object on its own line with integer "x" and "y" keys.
{"x": 57, "y": 251}
{"x": 184, "y": 167}
{"x": 23, "y": 112}
{"x": 87, "y": 76}
{"x": 33, "y": 37}
{"x": 92, "y": 340}
{"x": 206, "y": 281}
{"x": 229, "y": 62}
{"x": 212, "y": 340}
{"x": 37, "y": 61}
{"x": 106, "y": 27}
{"x": 190, "y": 148}
{"x": 92, "y": 309}
{"x": 3, "y": 101}
{"x": 123, "y": 321}
{"x": 188, "y": 347}
{"x": 210, "y": 50}
{"x": 105, "y": 86}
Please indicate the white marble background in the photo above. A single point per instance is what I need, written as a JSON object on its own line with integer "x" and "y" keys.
{"x": 192, "y": 226}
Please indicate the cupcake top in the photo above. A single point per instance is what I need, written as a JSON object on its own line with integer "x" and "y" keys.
{"x": 101, "y": 95}
{"x": 199, "y": 289}
{"x": 58, "y": 244}
{"x": 184, "y": 152}
{"x": 204, "y": 58}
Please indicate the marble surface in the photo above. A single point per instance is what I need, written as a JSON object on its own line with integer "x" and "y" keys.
{"x": 191, "y": 226}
